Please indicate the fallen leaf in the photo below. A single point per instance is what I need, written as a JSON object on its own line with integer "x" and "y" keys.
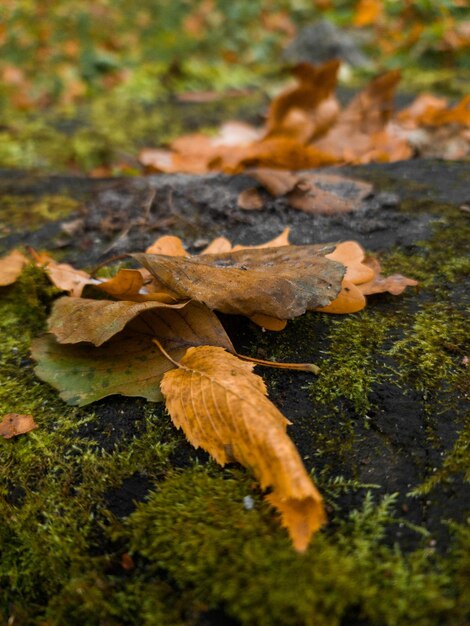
{"x": 273, "y": 152}
{"x": 327, "y": 194}
{"x": 360, "y": 134}
{"x": 128, "y": 363}
{"x": 169, "y": 245}
{"x": 96, "y": 321}
{"x": 394, "y": 284}
{"x": 14, "y": 424}
{"x": 250, "y": 200}
{"x": 349, "y": 300}
{"x": 309, "y": 109}
{"x": 222, "y": 407}
{"x": 362, "y": 278}
{"x": 11, "y": 267}
{"x": 280, "y": 282}
{"x": 276, "y": 182}
{"x": 132, "y": 285}
{"x": 64, "y": 276}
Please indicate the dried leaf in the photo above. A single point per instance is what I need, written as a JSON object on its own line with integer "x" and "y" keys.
{"x": 129, "y": 285}
{"x": 276, "y": 182}
{"x": 11, "y": 267}
{"x": 128, "y": 363}
{"x": 360, "y": 134}
{"x": 63, "y": 275}
{"x": 218, "y": 246}
{"x": 349, "y": 300}
{"x": 352, "y": 256}
{"x": 394, "y": 284}
{"x": 96, "y": 321}
{"x": 280, "y": 282}
{"x": 14, "y": 424}
{"x": 250, "y": 200}
{"x": 277, "y": 152}
{"x": 169, "y": 245}
{"x": 277, "y": 242}
{"x": 269, "y": 323}
{"x": 307, "y": 110}
{"x": 222, "y": 407}
{"x": 327, "y": 194}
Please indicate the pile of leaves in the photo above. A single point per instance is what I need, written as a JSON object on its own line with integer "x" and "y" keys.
{"x": 307, "y": 128}
{"x": 152, "y": 332}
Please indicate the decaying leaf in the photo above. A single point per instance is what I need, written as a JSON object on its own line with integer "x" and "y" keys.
{"x": 309, "y": 109}
{"x": 14, "y": 424}
{"x": 63, "y": 275}
{"x": 222, "y": 407}
{"x": 280, "y": 282}
{"x": 362, "y": 278}
{"x": 95, "y": 321}
{"x": 11, "y": 267}
{"x": 250, "y": 200}
{"x": 128, "y": 362}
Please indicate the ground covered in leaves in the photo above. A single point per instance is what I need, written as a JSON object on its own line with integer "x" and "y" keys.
{"x": 108, "y": 516}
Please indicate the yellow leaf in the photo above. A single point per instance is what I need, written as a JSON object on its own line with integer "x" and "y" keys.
{"x": 222, "y": 407}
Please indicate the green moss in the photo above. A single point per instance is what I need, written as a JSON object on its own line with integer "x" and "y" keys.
{"x": 20, "y": 212}
{"x": 430, "y": 355}
{"x": 249, "y": 568}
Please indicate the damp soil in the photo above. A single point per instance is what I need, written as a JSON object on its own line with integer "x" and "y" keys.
{"x": 397, "y": 436}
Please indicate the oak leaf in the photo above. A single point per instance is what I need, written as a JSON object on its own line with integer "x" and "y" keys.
{"x": 222, "y": 406}
{"x": 280, "y": 282}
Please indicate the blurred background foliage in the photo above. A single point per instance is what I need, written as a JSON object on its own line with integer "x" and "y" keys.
{"x": 99, "y": 69}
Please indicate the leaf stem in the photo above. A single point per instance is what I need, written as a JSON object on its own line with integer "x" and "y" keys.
{"x": 165, "y": 353}
{"x": 301, "y": 367}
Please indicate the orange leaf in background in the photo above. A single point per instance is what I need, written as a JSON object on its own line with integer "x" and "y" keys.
{"x": 309, "y": 109}
{"x": 221, "y": 406}
{"x": 278, "y": 152}
{"x": 276, "y": 182}
{"x": 360, "y": 134}
{"x": 11, "y": 267}
{"x": 367, "y": 12}
{"x": 349, "y": 300}
{"x": 14, "y": 424}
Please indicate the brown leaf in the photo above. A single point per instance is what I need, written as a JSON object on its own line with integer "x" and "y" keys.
{"x": 169, "y": 245}
{"x": 276, "y": 152}
{"x": 14, "y": 424}
{"x": 307, "y": 110}
{"x": 222, "y": 407}
{"x": 250, "y": 200}
{"x": 360, "y": 134}
{"x": 280, "y": 282}
{"x": 394, "y": 284}
{"x": 11, "y": 267}
{"x": 63, "y": 275}
{"x": 74, "y": 320}
{"x": 327, "y": 194}
{"x": 276, "y": 182}
{"x": 129, "y": 362}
